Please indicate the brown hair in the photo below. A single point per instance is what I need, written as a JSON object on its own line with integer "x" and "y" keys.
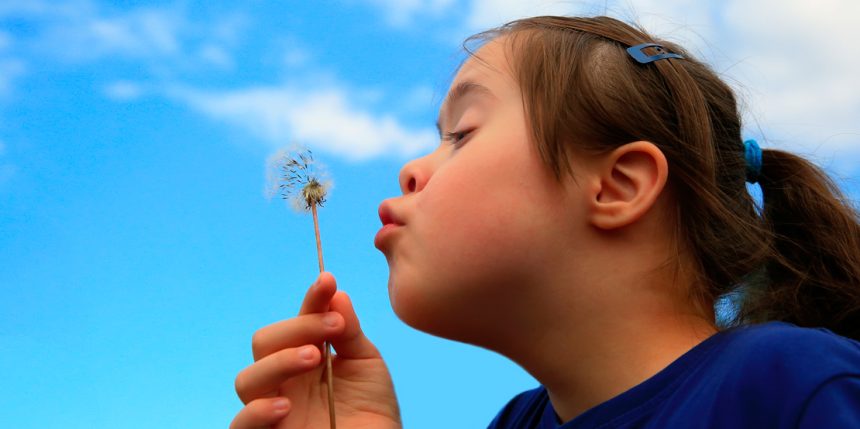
{"x": 796, "y": 260}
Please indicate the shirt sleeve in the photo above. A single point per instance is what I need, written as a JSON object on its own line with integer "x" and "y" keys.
{"x": 835, "y": 404}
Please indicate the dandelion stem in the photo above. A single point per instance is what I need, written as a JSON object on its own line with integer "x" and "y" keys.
{"x": 328, "y": 372}
{"x": 299, "y": 182}
{"x": 317, "y": 233}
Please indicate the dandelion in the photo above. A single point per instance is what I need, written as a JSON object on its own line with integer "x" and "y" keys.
{"x": 305, "y": 184}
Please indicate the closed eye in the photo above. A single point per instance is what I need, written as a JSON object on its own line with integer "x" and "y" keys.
{"x": 456, "y": 138}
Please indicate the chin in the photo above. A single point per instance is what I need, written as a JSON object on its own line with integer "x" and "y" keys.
{"x": 423, "y": 307}
{"x": 406, "y": 302}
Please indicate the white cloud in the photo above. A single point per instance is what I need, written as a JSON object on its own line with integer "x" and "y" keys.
{"x": 123, "y": 90}
{"x": 81, "y": 29}
{"x": 674, "y": 19}
{"x": 163, "y": 40}
{"x": 800, "y": 63}
{"x": 87, "y": 33}
{"x": 84, "y": 30}
{"x": 402, "y": 12}
{"x": 794, "y": 61}
{"x": 219, "y": 37}
{"x": 691, "y": 24}
{"x": 791, "y": 58}
{"x": 324, "y": 119}
{"x": 486, "y": 14}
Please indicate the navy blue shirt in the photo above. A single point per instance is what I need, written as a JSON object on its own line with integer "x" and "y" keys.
{"x": 773, "y": 375}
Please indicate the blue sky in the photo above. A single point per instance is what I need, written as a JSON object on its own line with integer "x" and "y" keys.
{"x": 138, "y": 252}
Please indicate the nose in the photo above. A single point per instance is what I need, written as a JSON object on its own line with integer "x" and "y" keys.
{"x": 415, "y": 174}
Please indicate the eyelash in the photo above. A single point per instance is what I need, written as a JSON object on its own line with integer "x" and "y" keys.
{"x": 456, "y": 137}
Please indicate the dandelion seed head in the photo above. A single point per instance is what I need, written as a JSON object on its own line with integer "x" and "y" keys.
{"x": 298, "y": 178}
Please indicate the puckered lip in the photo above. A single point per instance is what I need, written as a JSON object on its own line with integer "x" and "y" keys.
{"x": 390, "y": 224}
{"x": 387, "y": 215}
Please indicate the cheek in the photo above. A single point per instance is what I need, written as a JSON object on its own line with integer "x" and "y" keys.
{"x": 475, "y": 250}
{"x": 471, "y": 221}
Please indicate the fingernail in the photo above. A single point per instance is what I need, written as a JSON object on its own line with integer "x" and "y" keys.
{"x": 306, "y": 352}
{"x": 281, "y": 405}
{"x": 331, "y": 319}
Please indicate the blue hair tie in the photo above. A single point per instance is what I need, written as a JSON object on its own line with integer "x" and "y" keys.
{"x": 752, "y": 154}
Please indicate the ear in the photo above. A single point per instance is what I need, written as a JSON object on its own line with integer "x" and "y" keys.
{"x": 630, "y": 180}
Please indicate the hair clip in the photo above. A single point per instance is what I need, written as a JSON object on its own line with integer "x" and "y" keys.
{"x": 638, "y": 53}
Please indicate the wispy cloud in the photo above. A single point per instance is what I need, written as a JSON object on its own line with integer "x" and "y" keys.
{"x": 799, "y": 66}
{"x": 485, "y": 14}
{"x": 165, "y": 41}
{"x": 123, "y": 90}
{"x": 799, "y": 85}
{"x": 83, "y": 31}
{"x": 326, "y": 119}
{"x": 673, "y": 18}
{"x": 401, "y": 13}
{"x": 790, "y": 59}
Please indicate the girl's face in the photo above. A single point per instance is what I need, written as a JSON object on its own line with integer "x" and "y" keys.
{"x": 481, "y": 221}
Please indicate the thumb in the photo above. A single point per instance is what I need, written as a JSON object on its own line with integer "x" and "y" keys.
{"x": 351, "y": 343}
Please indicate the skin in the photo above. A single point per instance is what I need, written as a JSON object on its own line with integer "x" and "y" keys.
{"x": 364, "y": 394}
{"x": 568, "y": 277}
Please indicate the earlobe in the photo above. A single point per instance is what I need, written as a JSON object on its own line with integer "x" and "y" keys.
{"x": 631, "y": 179}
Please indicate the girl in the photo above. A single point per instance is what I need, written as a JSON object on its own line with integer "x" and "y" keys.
{"x": 583, "y": 213}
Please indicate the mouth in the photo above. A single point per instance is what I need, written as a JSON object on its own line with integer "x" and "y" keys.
{"x": 390, "y": 223}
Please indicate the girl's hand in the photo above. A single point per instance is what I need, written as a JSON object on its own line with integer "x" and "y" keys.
{"x": 286, "y": 388}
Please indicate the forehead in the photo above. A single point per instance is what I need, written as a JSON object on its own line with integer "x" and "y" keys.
{"x": 489, "y": 58}
{"x": 488, "y": 67}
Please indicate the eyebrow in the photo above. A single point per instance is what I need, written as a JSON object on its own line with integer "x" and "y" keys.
{"x": 457, "y": 93}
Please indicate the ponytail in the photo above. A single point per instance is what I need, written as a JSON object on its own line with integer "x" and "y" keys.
{"x": 812, "y": 276}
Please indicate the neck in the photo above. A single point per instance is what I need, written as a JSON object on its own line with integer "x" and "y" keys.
{"x": 598, "y": 340}
{"x": 581, "y": 376}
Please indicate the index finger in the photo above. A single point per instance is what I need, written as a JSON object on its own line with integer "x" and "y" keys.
{"x": 319, "y": 294}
